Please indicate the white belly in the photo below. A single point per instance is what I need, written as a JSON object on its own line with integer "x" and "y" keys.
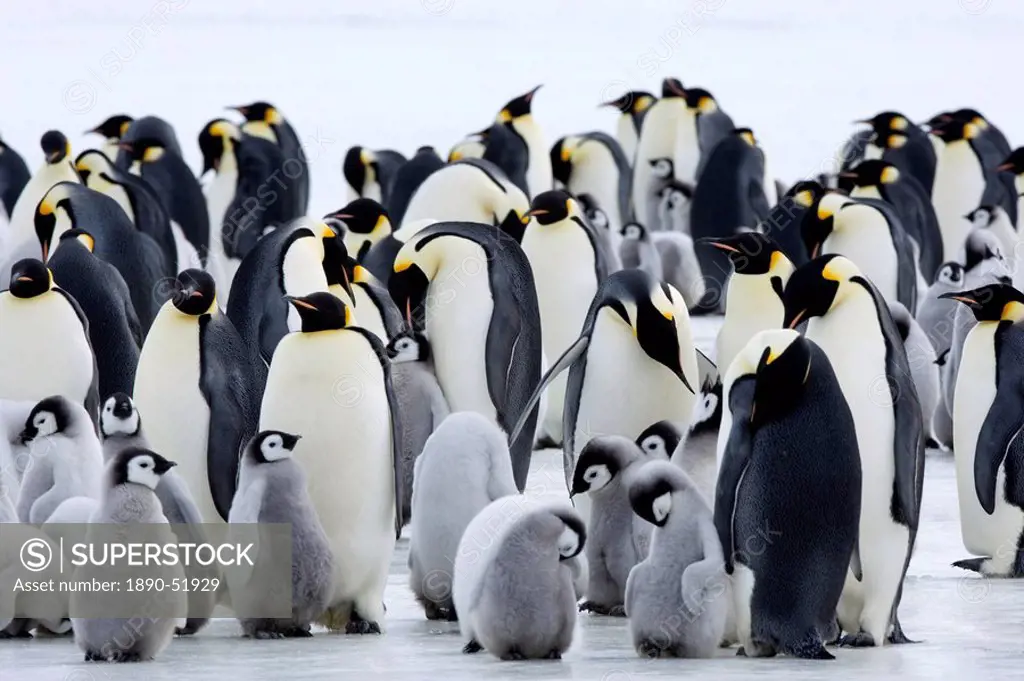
{"x": 872, "y": 251}
{"x": 959, "y": 185}
{"x": 598, "y": 176}
{"x": 657, "y": 140}
{"x": 538, "y": 171}
{"x": 687, "y": 151}
{"x": 220, "y": 192}
{"x": 23, "y": 216}
{"x": 625, "y": 133}
{"x": 751, "y": 306}
{"x": 367, "y": 315}
{"x": 175, "y": 416}
{"x": 184, "y": 251}
{"x": 43, "y": 349}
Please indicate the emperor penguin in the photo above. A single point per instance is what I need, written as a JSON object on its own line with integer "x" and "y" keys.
{"x": 273, "y": 488}
{"x": 266, "y": 121}
{"x": 365, "y": 222}
{"x": 197, "y": 390}
{"x": 697, "y": 452}
{"x": 960, "y": 182}
{"x": 632, "y": 106}
{"x": 636, "y": 343}
{"x": 330, "y": 383}
{"x": 676, "y": 598}
{"x": 783, "y": 224}
{"x": 370, "y": 301}
{"x": 514, "y": 585}
{"x": 369, "y": 174}
{"x": 517, "y": 115}
{"x": 778, "y": 390}
{"x": 675, "y": 200}
{"x": 470, "y": 190}
{"x": 986, "y": 422}
{"x": 607, "y": 240}
{"x": 67, "y": 459}
{"x": 850, "y": 321}
{"x": 408, "y": 178}
{"x": 666, "y": 255}
{"x": 992, "y": 148}
{"x": 637, "y": 250}
{"x": 129, "y": 498}
{"x": 896, "y": 139}
{"x": 112, "y": 130}
{"x": 730, "y": 195}
{"x": 147, "y": 127}
{"x": 380, "y": 258}
{"x": 616, "y": 538}
{"x": 994, "y": 219}
{"x": 662, "y": 124}
{"x": 704, "y": 128}
{"x": 934, "y": 313}
{"x": 137, "y": 257}
{"x": 50, "y": 324}
{"x": 568, "y": 267}
{"x": 753, "y": 297}
{"x": 58, "y": 167}
{"x": 218, "y": 143}
{"x": 1013, "y": 164}
{"x": 465, "y": 466}
{"x": 420, "y": 402}
{"x": 594, "y": 163}
{"x": 14, "y": 176}
{"x": 507, "y": 150}
{"x": 100, "y": 291}
{"x": 472, "y": 146}
{"x": 472, "y": 291}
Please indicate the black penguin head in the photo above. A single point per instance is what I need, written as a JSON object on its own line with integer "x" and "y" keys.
{"x": 30, "y": 278}
{"x": 1014, "y": 162}
{"x": 271, "y": 445}
{"x": 114, "y": 127}
{"x": 954, "y": 130}
{"x": 981, "y": 245}
{"x": 951, "y": 273}
{"x": 338, "y": 265}
{"x": 870, "y": 173}
{"x": 408, "y": 288}
{"x": 92, "y": 161}
{"x": 259, "y": 112}
{"x": 599, "y": 462}
{"x": 518, "y": 107}
{"x": 676, "y": 194}
{"x": 887, "y": 120}
{"x": 982, "y": 216}
{"x": 751, "y": 253}
{"x": 119, "y": 417}
{"x": 553, "y": 206}
{"x": 672, "y": 87}
{"x": 634, "y": 230}
{"x": 561, "y": 159}
{"x": 138, "y": 466}
{"x": 358, "y": 160}
{"x": 745, "y": 134}
{"x": 632, "y": 102}
{"x": 50, "y": 416}
{"x": 364, "y": 216}
{"x": 660, "y": 439}
{"x": 144, "y": 150}
{"x": 55, "y": 146}
{"x": 321, "y": 311}
{"x": 409, "y": 346}
{"x": 992, "y": 302}
{"x": 806, "y": 193}
{"x": 80, "y": 236}
{"x": 971, "y": 116}
{"x": 700, "y": 101}
{"x": 890, "y": 140}
{"x": 213, "y": 141}
{"x": 814, "y": 288}
{"x": 58, "y": 198}
{"x": 195, "y": 293}
{"x": 662, "y": 168}
{"x": 819, "y": 221}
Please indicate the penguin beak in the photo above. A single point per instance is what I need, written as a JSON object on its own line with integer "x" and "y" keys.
{"x": 244, "y": 110}
{"x": 1004, "y": 167}
{"x": 299, "y": 302}
{"x": 959, "y": 297}
{"x": 719, "y": 245}
{"x": 797, "y": 319}
{"x": 28, "y": 279}
{"x": 848, "y": 175}
{"x": 347, "y": 285}
{"x": 52, "y": 156}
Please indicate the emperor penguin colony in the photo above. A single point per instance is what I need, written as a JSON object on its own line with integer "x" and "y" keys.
{"x": 379, "y": 373}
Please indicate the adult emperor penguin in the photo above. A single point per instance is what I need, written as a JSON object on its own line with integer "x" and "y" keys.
{"x": 594, "y": 163}
{"x": 408, "y": 178}
{"x": 366, "y": 223}
{"x": 486, "y": 336}
{"x": 850, "y": 321}
{"x": 1014, "y": 163}
{"x": 49, "y": 324}
{"x": 266, "y": 121}
{"x": 58, "y": 167}
{"x": 147, "y": 127}
{"x": 632, "y": 106}
{"x": 112, "y": 130}
{"x": 518, "y": 116}
{"x": 897, "y": 140}
{"x": 100, "y": 291}
{"x": 369, "y": 174}
{"x": 196, "y": 388}
{"x": 371, "y": 304}
{"x": 987, "y": 417}
{"x": 505, "y": 148}
{"x": 635, "y": 342}
{"x": 472, "y": 146}
{"x": 136, "y": 256}
{"x": 657, "y": 140}
{"x": 778, "y": 390}
{"x": 330, "y": 382}
{"x": 711, "y": 125}
{"x": 753, "y": 299}
{"x": 960, "y": 183}
{"x": 14, "y": 175}
{"x": 568, "y": 267}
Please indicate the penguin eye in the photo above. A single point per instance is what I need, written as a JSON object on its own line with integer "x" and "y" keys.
{"x": 144, "y": 464}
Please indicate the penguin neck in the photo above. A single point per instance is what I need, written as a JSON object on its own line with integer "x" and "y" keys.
{"x": 228, "y": 162}
{"x": 260, "y": 129}
{"x": 868, "y": 192}
{"x": 302, "y": 270}
{"x": 751, "y": 297}
{"x": 873, "y": 152}
{"x": 688, "y": 151}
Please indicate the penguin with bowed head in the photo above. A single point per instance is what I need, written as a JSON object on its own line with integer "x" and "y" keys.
{"x": 330, "y": 382}
{"x": 129, "y": 499}
{"x": 112, "y": 130}
{"x": 632, "y": 106}
{"x": 464, "y": 466}
{"x": 594, "y": 163}
{"x": 356, "y": 287}
{"x": 850, "y": 322}
{"x": 369, "y": 173}
{"x": 778, "y": 391}
{"x": 273, "y": 488}
{"x": 365, "y": 223}
{"x": 264, "y": 120}
{"x": 147, "y": 127}
{"x": 410, "y": 175}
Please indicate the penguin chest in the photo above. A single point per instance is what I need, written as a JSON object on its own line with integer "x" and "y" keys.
{"x": 367, "y": 314}
{"x": 220, "y": 192}
{"x": 538, "y": 169}
{"x": 687, "y": 151}
{"x": 751, "y": 306}
{"x": 868, "y": 243}
{"x": 957, "y": 190}
{"x": 596, "y": 174}
{"x": 625, "y": 133}
{"x": 459, "y": 308}
{"x": 45, "y": 328}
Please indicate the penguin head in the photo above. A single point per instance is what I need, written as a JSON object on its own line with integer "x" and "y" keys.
{"x": 991, "y": 303}
{"x": 816, "y": 287}
{"x": 979, "y": 246}
{"x": 982, "y": 216}
{"x": 272, "y": 445}
{"x": 359, "y": 168}
{"x": 886, "y": 121}
{"x": 119, "y": 416}
{"x": 871, "y": 173}
{"x": 260, "y": 112}
{"x": 321, "y": 311}
{"x": 820, "y": 221}
{"x": 594, "y": 213}
{"x": 752, "y": 253}
{"x": 1014, "y": 163}
{"x": 554, "y": 206}
{"x": 806, "y": 193}
{"x": 662, "y": 168}
{"x": 954, "y": 130}
{"x": 144, "y": 150}
{"x": 114, "y": 127}
{"x": 700, "y": 101}
{"x": 80, "y": 236}
{"x": 561, "y": 158}
{"x": 660, "y": 439}
{"x": 409, "y": 346}
{"x": 408, "y": 284}
{"x": 57, "y": 199}
{"x": 55, "y": 146}
{"x": 779, "y": 361}
{"x": 599, "y": 462}
{"x": 50, "y": 416}
{"x": 30, "y": 278}
{"x": 951, "y": 273}
{"x": 707, "y": 412}
{"x": 634, "y": 230}
{"x": 217, "y": 137}
{"x": 339, "y": 266}
{"x": 974, "y": 116}
{"x": 573, "y": 535}
{"x": 517, "y": 107}
{"x": 676, "y": 194}
{"x": 138, "y": 466}
{"x": 672, "y": 88}
{"x": 92, "y": 162}
{"x": 650, "y": 494}
{"x": 890, "y": 140}
{"x": 195, "y": 293}
{"x": 745, "y": 134}
{"x": 367, "y": 218}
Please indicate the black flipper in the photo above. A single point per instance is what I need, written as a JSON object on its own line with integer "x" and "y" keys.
{"x": 734, "y": 463}
{"x": 999, "y": 431}
{"x": 572, "y": 353}
{"x": 92, "y": 397}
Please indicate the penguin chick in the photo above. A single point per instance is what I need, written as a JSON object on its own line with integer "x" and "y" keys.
{"x": 272, "y": 489}
{"x": 67, "y": 460}
{"x": 420, "y": 401}
{"x": 679, "y": 265}
{"x": 676, "y": 597}
{"x": 995, "y": 219}
{"x": 922, "y": 358}
{"x": 697, "y": 454}
{"x": 129, "y": 499}
{"x": 674, "y": 200}
{"x": 522, "y": 602}
{"x": 637, "y": 250}
{"x": 617, "y": 539}
{"x": 465, "y": 465}
{"x": 661, "y": 439}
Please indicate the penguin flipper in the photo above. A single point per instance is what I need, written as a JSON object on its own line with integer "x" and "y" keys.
{"x": 734, "y": 463}
{"x": 92, "y": 396}
{"x": 999, "y": 436}
{"x": 572, "y": 353}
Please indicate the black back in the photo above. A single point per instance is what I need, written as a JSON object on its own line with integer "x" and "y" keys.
{"x": 408, "y": 179}
{"x": 14, "y": 175}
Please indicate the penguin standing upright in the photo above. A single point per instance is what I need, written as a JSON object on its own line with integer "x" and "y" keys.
{"x": 1013, "y": 164}
{"x": 992, "y": 148}
{"x": 657, "y": 141}
{"x": 710, "y": 125}
{"x": 14, "y": 176}
{"x": 987, "y": 417}
{"x": 960, "y": 182}
{"x": 518, "y": 116}
{"x": 112, "y": 130}
{"x": 408, "y": 178}
{"x": 147, "y": 127}
{"x": 568, "y": 267}
{"x": 196, "y": 388}
{"x": 486, "y": 336}
{"x": 632, "y": 108}
{"x": 369, "y": 174}
{"x": 850, "y": 321}
{"x": 506, "y": 149}
{"x": 593, "y": 163}
{"x": 266, "y": 121}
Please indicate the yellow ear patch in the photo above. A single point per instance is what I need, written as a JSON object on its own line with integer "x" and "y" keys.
{"x": 642, "y": 104}
{"x": 899, "y": 123}
{"x": 970, "y": 131}
{"x": 824, "y": 213}
{"x": 804, "y": 198}
{"x": 1012, "y": 311}
{"x": 890, "y": 175}
{"x": 772, "y": 356}
{"x": 504, "y": 116}
{"x": 454, "y": 156}
{"x": 348, "y": 316}
{"x": 749, "y": 138}
{"x": 88, "y": 241}
{"x": 45, "y": 208}
{"x": 382, "y": 223}
{"x": 402, "y": 265}
{"x": 152, "y": 154}
{"x": 830, "y": 273}
{"x": 326, "y": 232}
{"x": 706, "y": 105}
{"x": 360, "y": 274}
{"x": 273, "y": 116}
{"x": 774, "y": 260}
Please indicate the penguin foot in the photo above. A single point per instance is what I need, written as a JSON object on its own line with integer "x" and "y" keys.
{"x": 94, "y": 657}
{"x": 192, "y": 626}
{"x": 650, "y": 649}
{"x": 896, "y": 636}
{"x": 5, "y": 635}
{"x": 617, "y": 611}
{"x": 861, "y": 639}
{"x": 599, "y": 609}
{"x": 972, "y": 564}
{"x": 357, "y": 625}
{"x": 811, "y": 649}
{"x": 298, "y": 632}
{"x": 265, "y": 635}
{"x": 546, "y": 442}
{"x": 513, "y": 654}
{"x": 554, "y": 655}
{"x": 452, "y": 615}
{"x": 125, "y": 656}
{"x": 472, "y": 647}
